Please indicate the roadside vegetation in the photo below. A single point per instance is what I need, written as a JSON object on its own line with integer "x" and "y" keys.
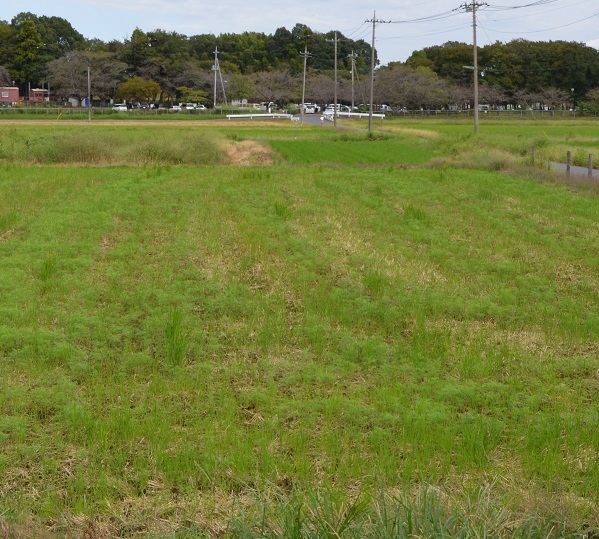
{"x": 387, "y": 335}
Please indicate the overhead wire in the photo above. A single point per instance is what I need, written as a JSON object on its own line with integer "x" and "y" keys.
{"x": 544, "y": 29}
{"x": 358, "y": 29}
{"x": 518, "y": 17}
{"x": 425, "y": 34}
{"x": 499, "y": 8}
{"x": 429, "y": 18}
{"x": 505, "y": 8}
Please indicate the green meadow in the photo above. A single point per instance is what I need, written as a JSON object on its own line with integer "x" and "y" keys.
{"x": 387, "y": 335}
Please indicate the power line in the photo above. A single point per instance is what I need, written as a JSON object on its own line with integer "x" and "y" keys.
{"x": 545, "y": 12}
{"x": 363, "y": 27}
{"x": 537, "y": 3}
{"x": 544, "y": 29}
{"x": 437, "y": 17}
{"x": 425, "y": 34}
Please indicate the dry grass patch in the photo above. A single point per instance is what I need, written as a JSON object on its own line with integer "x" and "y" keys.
{"x": 420, "y": 133}
{"x": 248, "y": 153}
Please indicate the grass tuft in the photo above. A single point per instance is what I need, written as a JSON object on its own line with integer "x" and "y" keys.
{"x": 176, "y": 338}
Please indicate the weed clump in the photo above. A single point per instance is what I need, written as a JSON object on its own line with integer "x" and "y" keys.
{"x": 176, "y": 338}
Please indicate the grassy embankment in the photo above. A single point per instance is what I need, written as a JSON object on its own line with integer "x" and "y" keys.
{"x": 347, "y": 343}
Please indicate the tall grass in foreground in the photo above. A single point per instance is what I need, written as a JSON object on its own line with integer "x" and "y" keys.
{"x": 421, "y": 512}
{"x": 103, "y": 145}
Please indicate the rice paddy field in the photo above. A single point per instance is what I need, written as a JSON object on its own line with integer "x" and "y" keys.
{"x": 214, "y": 329}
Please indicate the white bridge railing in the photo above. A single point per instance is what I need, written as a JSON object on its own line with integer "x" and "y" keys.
{"x": 260, "y": 115}
{"x": 329, "y": 115}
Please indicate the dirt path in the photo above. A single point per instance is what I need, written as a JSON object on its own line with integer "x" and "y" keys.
{"x": 153, "y": 123}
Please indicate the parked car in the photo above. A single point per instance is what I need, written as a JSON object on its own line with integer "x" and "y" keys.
{"x": 201, "y": 107}
{"x": 310, "y": 108}
{"x": 175, "y": 108}
{"x": 120, "y": 107}
{"x": 268, "y": 106}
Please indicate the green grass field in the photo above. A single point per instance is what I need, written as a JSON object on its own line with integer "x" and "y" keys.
{"x": 371, "y": 336}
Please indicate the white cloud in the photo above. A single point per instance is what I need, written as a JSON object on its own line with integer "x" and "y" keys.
{"x": 593, "y": 43}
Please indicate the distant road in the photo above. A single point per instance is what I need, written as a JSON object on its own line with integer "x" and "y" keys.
{"x": 579, "y": 172}
{"x": 314, "y": 119}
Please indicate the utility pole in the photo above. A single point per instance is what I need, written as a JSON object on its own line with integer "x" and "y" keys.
{"x": 305, "y": 55}
{"x": 335, "y": 93}
{"x": 472, "y": 7}
{"x": 353, "y": 57}
{"x": 374, "y": 22}
{"x": 89, "y": 96}
{"x": 216, "y": 68}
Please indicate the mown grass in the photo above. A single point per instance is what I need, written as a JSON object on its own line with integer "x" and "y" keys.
{"x": 351, "y": 149}
{"x": 296, "y": 351}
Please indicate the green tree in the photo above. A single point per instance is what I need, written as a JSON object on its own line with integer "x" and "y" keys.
{"x": 240, "y": 87}
{"x": 26, "y": 53}
{"x": 7, "y": 39}
{"x": 202, "y": 47}
{"x": 139, "y": 89}
{"x": 136, "y": 50}
{"x": 419, "y": 59}
{"x": 449, "y": 60}
{"x": 5, "y": 79}
{"x": 282, "y": 51}
{"x": 191, "y": 95}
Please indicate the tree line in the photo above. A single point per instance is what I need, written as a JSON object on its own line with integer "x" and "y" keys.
{"x": 164, "y": 66}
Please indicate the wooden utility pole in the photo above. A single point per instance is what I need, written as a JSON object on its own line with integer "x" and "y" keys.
{"x": 335, "y": 40}
{"x": 472, "y": 7}
{"x": 216, "y": 68}
{"x": 353, "y": 74}
{"x": 305, "y": 55}
{"x": 374, "y": 22}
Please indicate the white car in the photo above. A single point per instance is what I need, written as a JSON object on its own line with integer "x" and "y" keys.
{"x": 201, "y": 107}
{"x": 120, "y": 107}
{"x": 175, "y": 108}
{"x": 310, "y": 108}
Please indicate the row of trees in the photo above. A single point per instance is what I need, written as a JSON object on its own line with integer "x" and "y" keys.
{"x": 159, "y": 66}
{"x": 517, "y": 65}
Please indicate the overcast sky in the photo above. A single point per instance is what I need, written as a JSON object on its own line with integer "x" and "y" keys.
{"x": 544, "y": 20}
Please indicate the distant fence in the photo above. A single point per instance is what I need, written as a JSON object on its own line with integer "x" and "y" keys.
{"x": 497, "y": 113}
{"x": 100, "y": 111}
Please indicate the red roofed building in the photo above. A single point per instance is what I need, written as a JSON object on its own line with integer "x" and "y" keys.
{"x": 9, "y": 94}
{"x": 38, "y": 95}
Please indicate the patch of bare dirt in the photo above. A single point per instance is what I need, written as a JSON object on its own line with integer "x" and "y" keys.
{"x": 248, "y": 153}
